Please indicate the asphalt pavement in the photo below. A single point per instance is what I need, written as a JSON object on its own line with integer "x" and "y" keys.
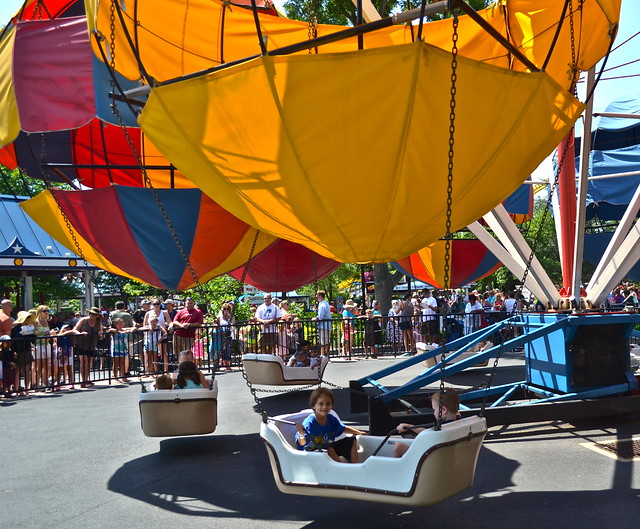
{"x": 78, "y": 459}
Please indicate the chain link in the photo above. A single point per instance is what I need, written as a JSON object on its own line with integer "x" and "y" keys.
{"x": 52, "y": 190}
{"x": 312, "y": 23}
{"x": 112, "y": 34}
{"x": 573, "y": 72}
{"x": 139, "y": 161}
{"x": 447, "y": 237}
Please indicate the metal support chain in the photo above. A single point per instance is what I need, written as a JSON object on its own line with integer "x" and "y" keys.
{"x": 147, "y": 180}
{"x": 573, "y": 72}
{"x": 263, "y": 413}
{"x": 447, "y": 244}
{"x": 312, "y": 23}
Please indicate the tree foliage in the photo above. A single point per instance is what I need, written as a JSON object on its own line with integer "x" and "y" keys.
{"x": 339, "y": 12}
{"x": 343, "y": 12}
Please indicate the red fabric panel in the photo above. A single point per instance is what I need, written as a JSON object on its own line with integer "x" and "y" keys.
{"x": 285, "y": 266}
{"x": 465, "y": 257}
{"x": 8, "y": 156}
{"x": 98, "y": 217}
{"x": 100, "y": 143}
{"x": 51, "y": 9}
{"x": 53, "y": 74}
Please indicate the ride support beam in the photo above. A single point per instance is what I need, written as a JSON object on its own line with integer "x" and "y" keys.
{"x": 626, "y": 256}
{"x": 583, "y": 184}
{"x": 516, "y": 267}
{"x": 369, "y": 12}
{"x": 507, "y": 232}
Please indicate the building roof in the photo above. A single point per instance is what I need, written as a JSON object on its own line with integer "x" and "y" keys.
{"x": 26, "y": 246}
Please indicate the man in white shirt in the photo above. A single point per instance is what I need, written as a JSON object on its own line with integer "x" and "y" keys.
{"x": 429, "y": 306}
{"x": 472, "y": 320}
{"x": 268, "y": 314}
{"x": 510, "y": 304}
{"x": 324, "y": 323}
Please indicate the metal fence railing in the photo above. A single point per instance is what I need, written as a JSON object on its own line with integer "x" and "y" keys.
{"x": 51, "y": 361}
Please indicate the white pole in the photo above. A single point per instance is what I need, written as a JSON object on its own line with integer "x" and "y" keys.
{"x": 583, "y": 183}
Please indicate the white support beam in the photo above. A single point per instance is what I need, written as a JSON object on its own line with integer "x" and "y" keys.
{"x": 369, "y": 12}
{"x": 509, "y": 261}
{"x": 507, "y": 232}
{"x": 583, "y": 184}
{"x": 618, "y": 266}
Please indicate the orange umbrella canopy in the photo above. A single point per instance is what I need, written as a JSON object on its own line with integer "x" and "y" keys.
{"x": 470, "y": 261}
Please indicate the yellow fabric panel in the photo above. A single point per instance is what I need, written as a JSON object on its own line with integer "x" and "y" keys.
{"x": 9, "y": 119}
{"x": 45, "y": 212}
{"x": 336, "y": 151}
{"x": 160, "y": 178}
{"x": 177, "y": 38}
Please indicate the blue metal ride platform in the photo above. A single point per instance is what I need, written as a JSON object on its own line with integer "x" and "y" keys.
{"x": 567, "y": 358}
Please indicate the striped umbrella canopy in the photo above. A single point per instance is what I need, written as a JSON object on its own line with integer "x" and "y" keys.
{"x": 285, "y": 266}
{"x": 122, "y": 230}
{"x": 470, "y": 261}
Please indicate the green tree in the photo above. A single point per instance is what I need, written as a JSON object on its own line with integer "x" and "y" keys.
{"x": 17, "y": 184}
{"x": 339, "y": 12}
{"x": 343, "y": 12}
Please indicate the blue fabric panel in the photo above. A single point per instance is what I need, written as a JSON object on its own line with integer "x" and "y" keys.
{"x": 150, "y": 229}
{"x": 615, "y": 133}
{"x": 594, "y": 246}
{"x": 608, "y": 198}
{"x": 102, "y": 88}
{"x": 518, "y": 202}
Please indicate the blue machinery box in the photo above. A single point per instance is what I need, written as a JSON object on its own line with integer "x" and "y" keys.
{"x": 587, "y": 352}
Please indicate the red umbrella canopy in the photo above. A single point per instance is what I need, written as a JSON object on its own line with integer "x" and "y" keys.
{"x": 285, "y": 266}
{"x": 470, "y": 261}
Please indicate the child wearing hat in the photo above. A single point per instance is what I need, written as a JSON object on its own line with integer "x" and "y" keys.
{"x": 9, "y": 366}
{"x": 349, "y": 313}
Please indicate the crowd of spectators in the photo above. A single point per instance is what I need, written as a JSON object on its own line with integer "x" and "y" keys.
{"x": 42, "y": 350}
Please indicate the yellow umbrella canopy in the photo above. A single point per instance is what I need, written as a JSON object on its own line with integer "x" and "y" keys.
{"x": 347, "y": 153}
{"x": 176, "y": 38}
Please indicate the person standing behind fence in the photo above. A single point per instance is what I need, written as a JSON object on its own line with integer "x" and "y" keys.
{"x": 268, "y": 314}
{"x": 120, "y": 344}
{"x": 323, "y": 320}
{"x": 429, "y": 306}
{"x": 43, "y": 347}
{"x": 88, "y": 331}
{"x": 164, "y": 321}
{"x": 348, "y": 327}
{"x": 184, "y": 325}
{"x": 473, "y": 311}
{"x": 226, "y": 321}
{"x": 406, "y": 311}
{"x": 6, "y": 321}
{"x": 152, "y": 336}
{"x": 23, "y": 335}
